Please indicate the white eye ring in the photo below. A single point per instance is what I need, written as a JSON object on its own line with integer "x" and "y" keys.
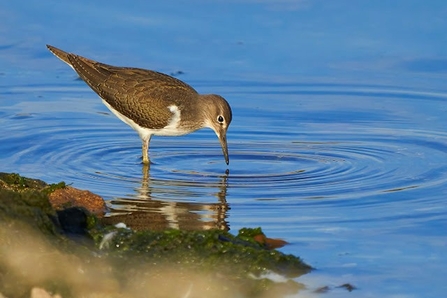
{"x": 220, "y": 119}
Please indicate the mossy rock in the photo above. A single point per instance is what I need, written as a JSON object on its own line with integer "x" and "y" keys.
{"x": 205, "y": 250}
{"x": 234, "y": 264}
{"x": 17, "y": 183}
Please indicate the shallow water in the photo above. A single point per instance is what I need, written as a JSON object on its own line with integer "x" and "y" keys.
{"x": 339, "y": 148}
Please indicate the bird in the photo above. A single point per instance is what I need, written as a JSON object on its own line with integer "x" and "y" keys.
{"x": 150, "y": 102}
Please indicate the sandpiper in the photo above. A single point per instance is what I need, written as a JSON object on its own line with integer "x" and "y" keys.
{"x": 151, "y": 102}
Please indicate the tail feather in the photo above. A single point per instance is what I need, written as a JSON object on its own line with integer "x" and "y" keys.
{"x": 60, "y": 54}
{"x": 90, "y": 71}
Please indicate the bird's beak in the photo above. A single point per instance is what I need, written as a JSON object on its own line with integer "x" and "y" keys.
{"x": 222, "y": 135}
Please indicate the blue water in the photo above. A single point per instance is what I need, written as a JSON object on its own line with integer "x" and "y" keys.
{"x": 338, "y": 142}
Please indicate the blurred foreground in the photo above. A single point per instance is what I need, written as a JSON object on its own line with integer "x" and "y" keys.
{"x": 71, "y": 253}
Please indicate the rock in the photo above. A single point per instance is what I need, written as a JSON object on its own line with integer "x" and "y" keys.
{"x": 72, "y": 197}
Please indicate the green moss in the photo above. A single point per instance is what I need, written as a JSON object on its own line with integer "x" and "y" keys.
{"x": 212, "y": 249}
{"x": 16, "y": 182}
{"x": 13, "y": 179}
{"x": 236, "y": 260}
{"x": 52, "y": 187}
{"x": 30, "y": 206}
{"x": 26, "y": 199}
{"x": 247, "y": 233}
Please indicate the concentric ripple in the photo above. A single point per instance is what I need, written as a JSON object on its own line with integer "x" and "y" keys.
{"x": 352, "y": 168}
{"x": 314, "y": 147}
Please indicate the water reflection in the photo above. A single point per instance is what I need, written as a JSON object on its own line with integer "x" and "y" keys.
{"x": 145, "y": 211}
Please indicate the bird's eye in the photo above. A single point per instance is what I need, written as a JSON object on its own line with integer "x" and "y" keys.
{"x": 220, "y": 119}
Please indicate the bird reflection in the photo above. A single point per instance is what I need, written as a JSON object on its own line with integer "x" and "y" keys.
{"x": 146, "y": 211}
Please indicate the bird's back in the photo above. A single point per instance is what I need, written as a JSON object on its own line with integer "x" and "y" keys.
{"x": 134, "y": 92}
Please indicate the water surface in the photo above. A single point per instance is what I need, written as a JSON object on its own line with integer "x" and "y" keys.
{"x": 338, "y": 142}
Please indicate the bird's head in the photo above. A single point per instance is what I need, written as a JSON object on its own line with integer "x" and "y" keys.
{"x": 218, "y": 117}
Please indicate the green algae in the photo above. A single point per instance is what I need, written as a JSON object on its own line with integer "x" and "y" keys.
{"x": 17, "y": 183}
{"x": 240, "y": 261}
{"x": 26, "y": 199}
{"x": 31, "y": 207}
{"x": 52, "y": 187}
{"x": 207, "y": 250}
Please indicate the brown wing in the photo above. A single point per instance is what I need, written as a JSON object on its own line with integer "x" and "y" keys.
{"x": 139, "y": 94}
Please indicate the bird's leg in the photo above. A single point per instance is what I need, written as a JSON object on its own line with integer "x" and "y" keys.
{"x": 145, "y": 149}
{"x": 145, "y": 181}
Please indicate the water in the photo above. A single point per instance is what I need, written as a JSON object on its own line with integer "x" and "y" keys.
{"x": 338, "y": 142}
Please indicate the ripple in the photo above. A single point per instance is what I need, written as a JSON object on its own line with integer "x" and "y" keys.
{"x": 299, "y": 153}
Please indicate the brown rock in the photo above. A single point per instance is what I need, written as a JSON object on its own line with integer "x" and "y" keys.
{"x": 72, "y": 197}
{"x": 269, "y": 243}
